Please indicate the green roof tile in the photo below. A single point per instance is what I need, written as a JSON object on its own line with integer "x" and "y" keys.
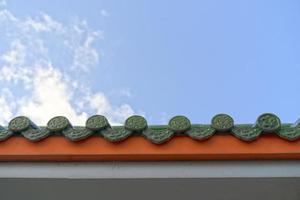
{"x": 98, "y": 126}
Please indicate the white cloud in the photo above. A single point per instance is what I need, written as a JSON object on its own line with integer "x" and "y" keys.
{"x": 39, "y": 68}
{"x": 7, "y": 16}
{"x": 43, "y": 23}
{"x": 50, "y": 96}
{"x": 16, "y": 55}
{"x": 85, "y": 55}
{"x": 5, "y": 109}
{"x": 101, "y": 104}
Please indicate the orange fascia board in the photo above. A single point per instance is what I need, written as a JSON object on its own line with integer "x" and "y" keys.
{"x": 219, "y": 147}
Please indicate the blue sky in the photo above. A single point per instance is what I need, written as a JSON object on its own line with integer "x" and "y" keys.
{"x": 154, "y": 58}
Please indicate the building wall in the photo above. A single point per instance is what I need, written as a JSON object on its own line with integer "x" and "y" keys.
{"x": 218, "y": 180}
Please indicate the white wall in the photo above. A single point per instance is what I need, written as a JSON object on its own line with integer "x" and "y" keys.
{"x": 222, "y": 180}
{"x": 119, "y": 170}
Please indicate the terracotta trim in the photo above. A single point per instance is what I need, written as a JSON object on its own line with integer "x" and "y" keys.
{"x": 219, "y": 147}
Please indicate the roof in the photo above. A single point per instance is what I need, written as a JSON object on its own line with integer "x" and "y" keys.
{"x": 179, "y": 137}
{"x": 99, "y": 126}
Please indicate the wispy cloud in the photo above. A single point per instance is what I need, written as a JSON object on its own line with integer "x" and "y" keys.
{"x": 41, "y": 65}
{"x": 104, "y": 13}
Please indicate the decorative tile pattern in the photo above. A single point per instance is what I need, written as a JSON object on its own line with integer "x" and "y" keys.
{"x": 98, "y": 126}
{"x": 222, "y": 122}
{"x": 179, "y": 124}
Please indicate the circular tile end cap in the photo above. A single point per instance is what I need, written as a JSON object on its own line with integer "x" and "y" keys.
{"x": 268, "y": 122}
{"x": 19, "y": 124}
{"x": 179, "y": 123}
{"x": 97, "y": 123}
{"x": 222, "y": 122}
{"x": 58, "y": 123}
{"x": 136, "y": 123}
